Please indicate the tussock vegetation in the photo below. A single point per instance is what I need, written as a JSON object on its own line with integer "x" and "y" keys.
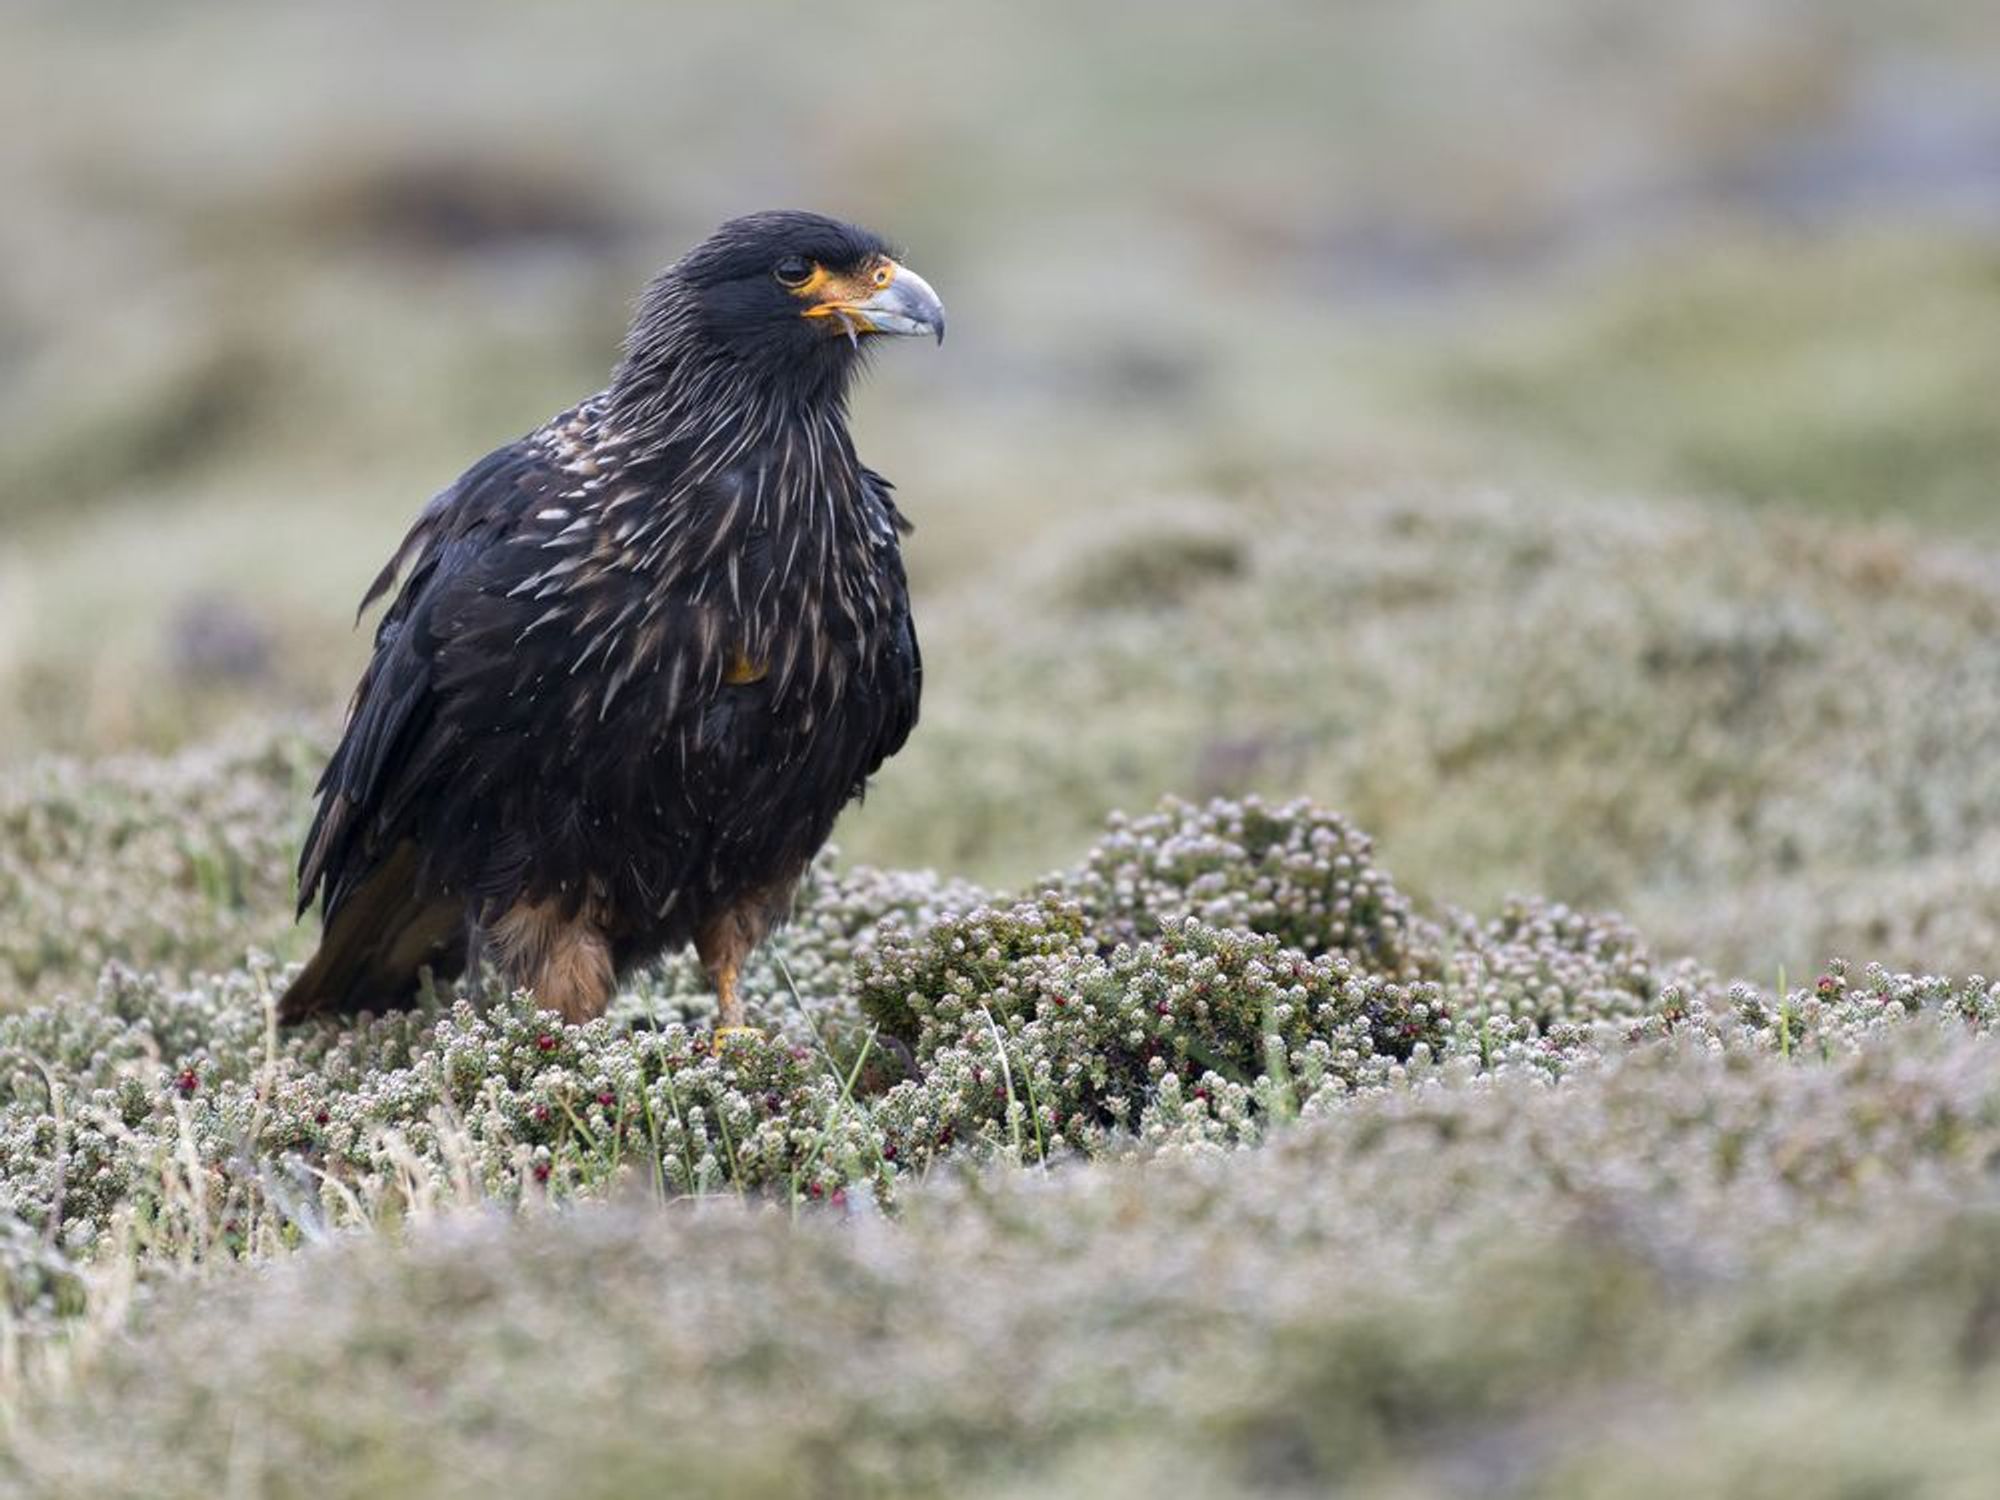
{"x": 180, "y": 864}
{"x": 1764, "y": 741}
{"x": 983, "y": 1188}
{"x": 1730, "y": 376}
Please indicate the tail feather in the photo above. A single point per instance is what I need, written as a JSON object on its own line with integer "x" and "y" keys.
{"x": 377, "y": 945}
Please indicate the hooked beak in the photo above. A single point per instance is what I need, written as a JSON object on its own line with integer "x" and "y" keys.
{"x": 903, "y": 306}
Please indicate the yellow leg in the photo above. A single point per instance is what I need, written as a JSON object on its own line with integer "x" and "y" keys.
{"x": 729, "y": 1015}
{"x": 730, "y": 1003}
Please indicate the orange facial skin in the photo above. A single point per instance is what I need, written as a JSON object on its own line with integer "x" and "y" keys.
{"x": 839, "y": 296}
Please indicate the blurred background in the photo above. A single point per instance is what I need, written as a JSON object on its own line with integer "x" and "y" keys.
{"x": 1563, "y": 436}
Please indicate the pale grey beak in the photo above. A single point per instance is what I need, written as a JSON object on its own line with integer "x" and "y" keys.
{"x": 906, "y": 306}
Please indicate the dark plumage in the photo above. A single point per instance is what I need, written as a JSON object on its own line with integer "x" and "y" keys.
{"x": 639, "y": 660}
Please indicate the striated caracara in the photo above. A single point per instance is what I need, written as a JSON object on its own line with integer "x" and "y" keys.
{"x": 639, "y": 660}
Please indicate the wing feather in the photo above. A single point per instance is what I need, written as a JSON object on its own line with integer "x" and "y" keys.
{"x": 396, "y": 737}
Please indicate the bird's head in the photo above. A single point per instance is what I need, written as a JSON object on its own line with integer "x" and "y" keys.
{"x": 789, "y": 298}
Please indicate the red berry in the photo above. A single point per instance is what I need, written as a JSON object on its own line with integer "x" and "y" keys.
{"x": 546, "y": 1042}
{"x": 606, "y": 1098}
{"x": 321, "y": 1117}
{"x": 187, "y": 1082}
{"x": 541, "y": 1171}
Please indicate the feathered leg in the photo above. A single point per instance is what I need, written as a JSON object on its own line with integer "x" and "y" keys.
{"x": 565, "y": 960}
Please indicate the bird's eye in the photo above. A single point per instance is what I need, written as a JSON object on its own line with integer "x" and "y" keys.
{"x": 794, "y": 270}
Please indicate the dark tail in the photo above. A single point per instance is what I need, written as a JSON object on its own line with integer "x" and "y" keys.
{"x": 380, "y": 940}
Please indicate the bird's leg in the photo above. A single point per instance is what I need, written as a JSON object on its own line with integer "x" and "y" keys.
{"x": 729, "y": 1004}
{"x": 729, "y": 1009}
{"x": 722, "y": 945}
{"x": 565, "y": 961}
